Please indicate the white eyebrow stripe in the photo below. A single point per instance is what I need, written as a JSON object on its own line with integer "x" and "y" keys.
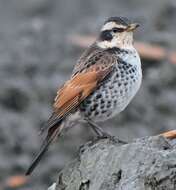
{"x": 110, "y": 25}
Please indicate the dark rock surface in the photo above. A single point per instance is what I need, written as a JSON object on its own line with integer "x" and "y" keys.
{"x": 36, "y": 58}
{"x": 144, "y": 164}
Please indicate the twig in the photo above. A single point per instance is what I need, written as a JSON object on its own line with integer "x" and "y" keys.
{"x": 169, "y": 134}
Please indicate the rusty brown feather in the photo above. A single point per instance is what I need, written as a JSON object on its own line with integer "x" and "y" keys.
{"x": 90, "y": 71}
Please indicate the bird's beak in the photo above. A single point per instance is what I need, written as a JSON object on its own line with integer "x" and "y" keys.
{"x": 132, "y": 27}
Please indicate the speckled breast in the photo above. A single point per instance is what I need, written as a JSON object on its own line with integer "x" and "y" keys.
{"x": 114, "y": 94}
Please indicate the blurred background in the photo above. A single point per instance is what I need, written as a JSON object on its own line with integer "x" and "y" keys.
{"x": 37, "y": 55}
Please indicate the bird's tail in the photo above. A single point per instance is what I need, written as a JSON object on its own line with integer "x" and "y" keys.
{"x": 52, "y": 135}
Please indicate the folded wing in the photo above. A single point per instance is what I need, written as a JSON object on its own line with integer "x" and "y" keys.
{"x": 81, "y": 85}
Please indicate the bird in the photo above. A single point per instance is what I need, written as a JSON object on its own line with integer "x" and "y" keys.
{"x": 104, "y": 81}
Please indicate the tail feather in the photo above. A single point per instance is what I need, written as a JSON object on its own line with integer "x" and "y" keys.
{"x": 44, "y": 148}
{"x": 37, "y": 159}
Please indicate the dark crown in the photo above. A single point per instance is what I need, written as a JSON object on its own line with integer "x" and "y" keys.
{"x": 119, "y": 20}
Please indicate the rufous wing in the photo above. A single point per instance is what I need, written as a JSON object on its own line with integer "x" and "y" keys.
{"x": 81, "y": 85}
{"x": 77, "y": 89}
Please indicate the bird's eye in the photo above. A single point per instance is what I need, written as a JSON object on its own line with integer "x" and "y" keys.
{"x": 115, "y": 30}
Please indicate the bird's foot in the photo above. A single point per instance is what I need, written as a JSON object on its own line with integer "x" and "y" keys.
{"x": 102, "y": 134}
{"x": 111, "y": 137}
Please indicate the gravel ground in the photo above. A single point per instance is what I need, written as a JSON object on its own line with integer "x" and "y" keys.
{"x": 36, "y": 58}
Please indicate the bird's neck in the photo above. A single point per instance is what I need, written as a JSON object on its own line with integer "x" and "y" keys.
{"x": 130, "y": 56}
{"x": 115, "y": 44}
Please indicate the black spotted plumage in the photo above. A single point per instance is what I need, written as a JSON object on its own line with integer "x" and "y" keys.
{"x": 114, "y": 93}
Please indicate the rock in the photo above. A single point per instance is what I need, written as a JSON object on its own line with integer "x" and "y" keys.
{"x": 52, "y": 187}
{"x": 144, "y": 164}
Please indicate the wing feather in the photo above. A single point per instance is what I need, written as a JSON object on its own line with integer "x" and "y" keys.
{"x": 76, "y": 90}
{"x": 81, "y": 85}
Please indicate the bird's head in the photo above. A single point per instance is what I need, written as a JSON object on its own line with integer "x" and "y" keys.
{"x": 117, "y": 32}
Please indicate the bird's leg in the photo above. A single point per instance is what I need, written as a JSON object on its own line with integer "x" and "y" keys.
{"x": 100, "y": 133}
{"x": 97, "y": 129}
